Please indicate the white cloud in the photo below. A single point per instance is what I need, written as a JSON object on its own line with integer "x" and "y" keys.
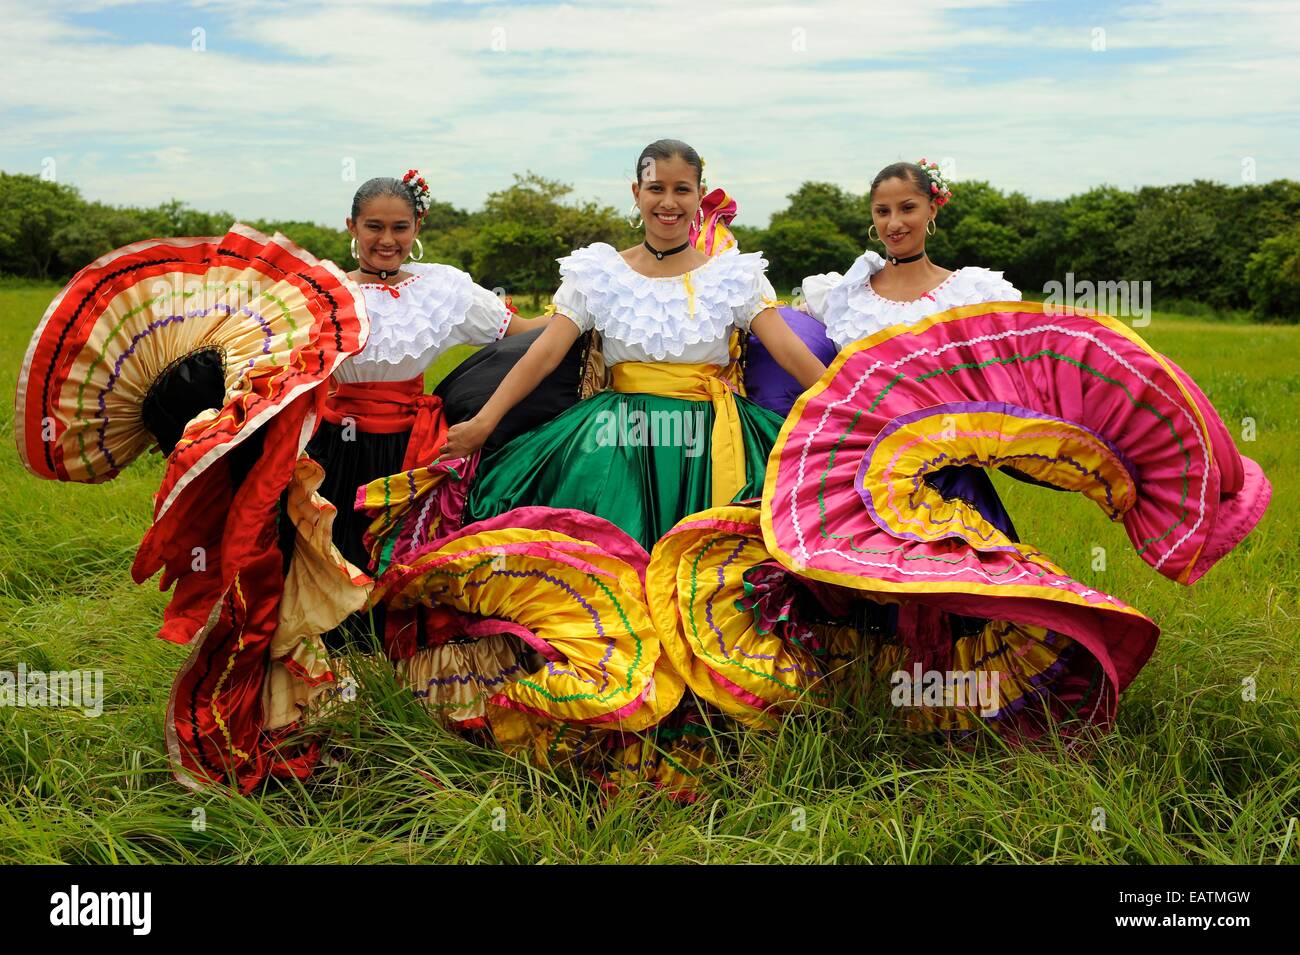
{"x": 772, "y": 94}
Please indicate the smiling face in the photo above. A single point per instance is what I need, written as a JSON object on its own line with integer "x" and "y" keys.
{"x": 385, "y": 230}
{"x": 668, "y": 196}
{"x": 900, "y": 212}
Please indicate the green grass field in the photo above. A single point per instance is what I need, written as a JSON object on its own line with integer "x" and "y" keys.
{"x": 1191, "y": 773}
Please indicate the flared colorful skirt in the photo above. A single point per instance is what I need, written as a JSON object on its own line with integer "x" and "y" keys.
{"x": 218, "y": 351}
{"x": 534, "y": 625}
{"x": 1059, "y": 397}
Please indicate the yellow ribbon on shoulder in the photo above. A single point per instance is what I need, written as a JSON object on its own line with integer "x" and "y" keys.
{"x": 696, "y": 382}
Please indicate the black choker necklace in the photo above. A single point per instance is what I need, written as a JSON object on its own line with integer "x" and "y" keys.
{"x": 382, "y": 273}
{"x": 894, "y": 260}
{"x": 660, "y": 255}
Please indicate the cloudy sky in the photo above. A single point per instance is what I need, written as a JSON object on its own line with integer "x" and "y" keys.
{"x": 268, "y": 109}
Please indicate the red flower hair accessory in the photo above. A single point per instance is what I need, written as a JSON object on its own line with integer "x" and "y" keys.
{"x": 420, "y": 190}
{"x": 940, "y": 191}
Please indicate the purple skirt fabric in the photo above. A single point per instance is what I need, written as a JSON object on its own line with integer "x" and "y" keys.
{"x": 972, "y": 485}
{"x": 766, "y": 382}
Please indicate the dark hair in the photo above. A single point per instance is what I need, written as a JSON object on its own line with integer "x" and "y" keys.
{"x": 910, "y": 171}
{"x": 384, "y": 186}
{"x": 667, "y": 149}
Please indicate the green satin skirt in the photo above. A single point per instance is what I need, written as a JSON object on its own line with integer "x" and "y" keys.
{"x": 641, "y": 461}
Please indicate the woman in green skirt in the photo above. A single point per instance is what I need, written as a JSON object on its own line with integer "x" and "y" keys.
{"x": 671, "y": 436}
{"x": 668, "y": 438}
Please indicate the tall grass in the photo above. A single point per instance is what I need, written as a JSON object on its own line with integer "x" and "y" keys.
{"x": 1192, "y": 772}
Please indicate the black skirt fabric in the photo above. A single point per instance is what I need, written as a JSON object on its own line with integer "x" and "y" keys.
{"x": 350, "y": 463}
{"x": 471, "y": 383}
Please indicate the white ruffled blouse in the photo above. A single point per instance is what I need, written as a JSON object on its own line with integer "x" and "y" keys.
{"x": 851, "y": 309}
{"x": 437, "y": 307}
{"x": 681, "y": 319}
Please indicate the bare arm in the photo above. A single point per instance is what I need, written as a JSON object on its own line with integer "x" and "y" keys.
{"x": 519, "y": 325}
{"x": 542, "y": 358}
{"x": 787, "y": 348}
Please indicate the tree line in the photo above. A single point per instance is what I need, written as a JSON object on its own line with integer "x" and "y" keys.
{"x": 1202, "y": 245}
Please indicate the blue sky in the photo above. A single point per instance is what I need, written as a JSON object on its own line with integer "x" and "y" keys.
{"x": 264, "y": 108}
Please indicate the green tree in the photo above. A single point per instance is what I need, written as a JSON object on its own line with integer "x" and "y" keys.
{"x": 176, "y": 218}
{"x": 517, "y": 256}
{"x": 795, "y": 248}
{"x": 1091, "y": 232}
{"x": 452, "y": 246}
{"x": 441, "y": 217}
{"x": 98, "y": 229}
{"x": 988, "y": 244}
{"x": 1273, "y": 277}
{"x": 985, "y": 227}
{"x": 33, "y": 211}
{"x": 1170, "y": 243}
{"x": 524, "y": 228}
{"x": 1244, "y": 217}
{"x": 1041, "y": 248}
{"x": 749, "y": 238}
{"x": 813, "y": 201}
{"x": 1205, "y": 241}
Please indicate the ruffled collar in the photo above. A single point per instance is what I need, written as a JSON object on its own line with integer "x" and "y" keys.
{"x": 662, "y": 315}
{"x": 855, "y": 310}
{"x": 428, "y": 305}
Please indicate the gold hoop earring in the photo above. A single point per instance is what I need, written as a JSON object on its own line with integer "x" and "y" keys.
{"x": 352, "y": 247}
{"x": 417, "y": 256}
{"x": 639, "y": 221}
{"x": 931, "y": 228}
{"x": 870, "y": 229}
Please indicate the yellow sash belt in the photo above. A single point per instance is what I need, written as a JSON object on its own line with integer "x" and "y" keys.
{"x": 696, "y": 383}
